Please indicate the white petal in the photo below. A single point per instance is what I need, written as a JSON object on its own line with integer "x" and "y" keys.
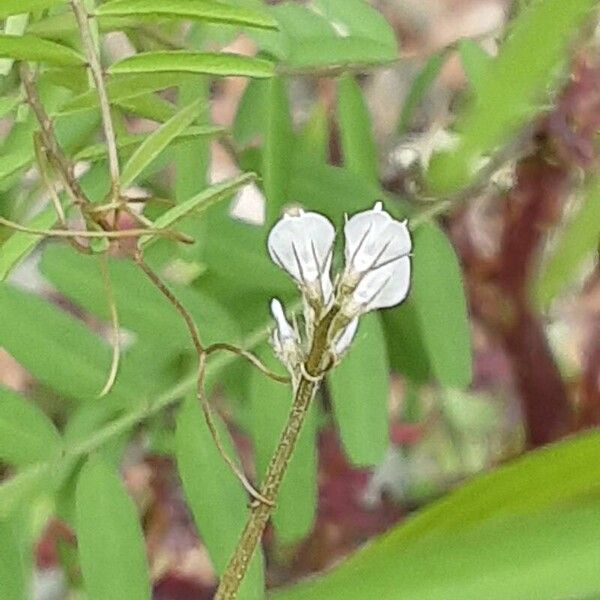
{"x": 302, "y": 246}
{"x": 384, "y": 287}
{"x": 284, "y": 329}
{"x": 373, "y": 238}
{"x": 346, "y": 338}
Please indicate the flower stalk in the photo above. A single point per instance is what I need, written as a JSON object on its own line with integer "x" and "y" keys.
{"x": 317, "y": 364}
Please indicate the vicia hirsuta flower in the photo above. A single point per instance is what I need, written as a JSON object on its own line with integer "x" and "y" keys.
{"x": 376, "y": 274}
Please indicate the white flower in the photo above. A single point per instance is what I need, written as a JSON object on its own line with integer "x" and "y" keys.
{"x": 302, "y": 245}
{"x": 377, "y": 260}
{"x": 285, "y": 338}
{"x": 345, "y": 339}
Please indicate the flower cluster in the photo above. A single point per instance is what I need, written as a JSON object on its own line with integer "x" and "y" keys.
{"x": 376, "y": 275}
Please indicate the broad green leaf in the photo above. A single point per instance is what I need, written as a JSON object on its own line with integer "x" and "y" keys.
{"x": 358, "y": 145}
{"x": 149, "y": 106}
{"x": 577, "y": 240}
{"x": 214, "y": 494}
{"x": 202, "y": 10}
{"x": 475, "y": 61}
{"x": 250, "y": 118}
{"x": 19, "y": 245}
{"x": 192, "y": 165}
{"x": 223, "y": 64}
{"x": 146, "y": 312}
{"x": 271, "y": 402}
{"x": 419, "y": 88}
{"x": 203, "y": 200}
{"x": 14, "y": 7}
{"x": 441, "y": 552}
{"x": 549, "y": 555}
{"x": 313, "y": 139}
{"x": 277, "y": 147}
{"x": 14, "y": 25}
{"x": 322, "y": 52}
{"x": 21, "y": 489}
{"x": 55, "y": 347}
{"x": 330, "y": 190}
{"x": 252, "y": 271}
{"x": 337, "y": 33}
{"x": 360, "y": 392}
{"x": 129, "y": 142}
{"x": 27, "y": 436}
{"x": 440, "y": 304}
{"x": 529, "y": 65}
{"x": 109, "y": 536}
{"x": 406, "y": 348}
{"x": 8, "y": 104}
{"x": 359, "y": 18}
{"x": 15, "y": 161}
{"x": 124, "y": 87}
{"x": 13, "y": 577}
{"x": 157, "y": 141}
{"x": 64, "y": 25}
{"x": 30, "y": 47}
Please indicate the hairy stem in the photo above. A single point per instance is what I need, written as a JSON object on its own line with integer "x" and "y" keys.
{"x": 260, "y": 512}
{"x": 96, "y": 70}
{"x": 202, "y": 354}
{"x": 48, "y": 138}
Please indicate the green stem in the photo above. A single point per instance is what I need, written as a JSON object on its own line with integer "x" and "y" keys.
{"x": 314, "y": 369}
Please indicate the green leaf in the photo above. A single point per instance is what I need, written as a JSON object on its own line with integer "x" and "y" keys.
{"x": 129, "y": 142}
{"x": 250, "y": 118}
{"x": 440, "y": 304}
{"x": 146, "y": 312}
{"x": 358, "y": 145}
{"x": 124, "y": 87}
{"x": 313, "y": 139}
{"x": 19, "y": 245}
{"x": 157, "y": 141}
{"x": 577, "y": 240}
{"x": 109, "y": 536}
{"x": 277, "y": 147}
{"x": 203, "y": 200}
{"x": 406, "y": 347}
{"x": 15, "y": 25}
{"x": 333, "y": 33}
{"x": 79, "y": 360}
{"x": 13, "y": 577}
{"x": 14, "y": 7}
{"x": 548, "y": 555}
{"x": 529, "y": 65}
{"x": 419, "y": 88}
{"x": 30, "y": 47}
{"x": 149, "y": 106}
{"x": 27, "y": 435}
{"x": 360, "y": 392}
{"x": 21, "y": 489}
{"x": 223, "y": 64}
{"x": 214, "y": 494}
{"x": 192, "y": 164}
{"x": 515, "y": 532}
{"x": 359, "y": 18}
{"x": 322, "y": 52}
{"x": 8, "y": 104}
{"x": 475, "y": 61}
{"x": 271, "y": 401}
{"x": 201, "y": 10}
